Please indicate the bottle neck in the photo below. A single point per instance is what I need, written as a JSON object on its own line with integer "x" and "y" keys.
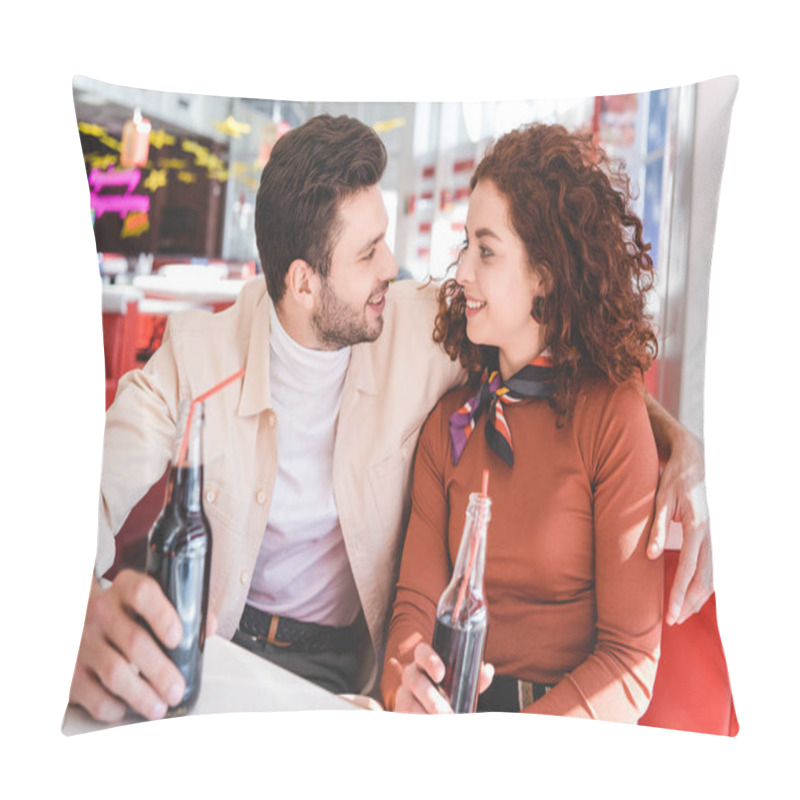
{"x": 471, "y": 558}
{"x": 186, "y": 488}
{"x": 186, "y": 477}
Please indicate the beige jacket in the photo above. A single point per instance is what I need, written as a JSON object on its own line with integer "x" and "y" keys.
{"x": 390, "y": 387}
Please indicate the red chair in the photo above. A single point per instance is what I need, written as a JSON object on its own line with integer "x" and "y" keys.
{"x": 119, "y": 345}
{"x": 131, "y": 540}
{"x": 692, "y": 690}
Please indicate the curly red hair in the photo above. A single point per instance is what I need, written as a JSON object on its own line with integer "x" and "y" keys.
{"x": 570, "y": 206}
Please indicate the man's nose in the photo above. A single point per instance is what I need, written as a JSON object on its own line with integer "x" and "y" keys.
{"x": 389, "y": 268}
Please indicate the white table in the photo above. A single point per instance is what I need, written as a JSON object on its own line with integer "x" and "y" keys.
{"x": 202, "y": 291}
{"x": 235, "y": 679}
{"x": 116, "y": 297}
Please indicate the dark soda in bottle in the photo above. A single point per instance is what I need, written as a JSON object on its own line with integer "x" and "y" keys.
{"x": 179, "y": 553}
{"x": 459, "y": 635}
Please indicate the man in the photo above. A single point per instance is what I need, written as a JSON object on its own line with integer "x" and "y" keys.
{"x": 307, "y": 460}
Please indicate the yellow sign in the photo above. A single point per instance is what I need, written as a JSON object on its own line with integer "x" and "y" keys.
{"x": 91, "y": 130}
{"x": 101, "y": 162}
{"x": 160, "y": 138}
{"x": 233, "y": 128}
{"x": 155, "y": 180}
{"x": 171, "y": 163}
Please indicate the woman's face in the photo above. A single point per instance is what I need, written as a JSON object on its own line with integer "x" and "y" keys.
{"x": 498, "y": 282}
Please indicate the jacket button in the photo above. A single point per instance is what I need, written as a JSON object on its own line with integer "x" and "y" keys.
{"x": 211, "y": 496}
{"x": 243, "y": 577}
{"x": 272, "y": 419}
{"x": 261, "y": 497}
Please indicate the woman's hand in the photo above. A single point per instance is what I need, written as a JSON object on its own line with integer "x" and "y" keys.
{"x": 419, "y": 691}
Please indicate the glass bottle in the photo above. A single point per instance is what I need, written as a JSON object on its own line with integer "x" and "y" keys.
{"x": 459, "y": 636}
{"x": 179, "y": 553}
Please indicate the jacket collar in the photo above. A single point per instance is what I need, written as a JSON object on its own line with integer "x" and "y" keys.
{"x": 361, "y": 370}
{"x": 255, "y": 395}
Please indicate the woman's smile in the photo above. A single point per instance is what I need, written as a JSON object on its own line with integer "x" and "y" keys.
{"x": 474, "y": 306}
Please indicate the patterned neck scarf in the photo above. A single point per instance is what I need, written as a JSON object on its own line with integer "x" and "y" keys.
{"x": 533, "y": 380}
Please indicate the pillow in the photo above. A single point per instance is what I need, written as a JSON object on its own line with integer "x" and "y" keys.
{"x": 172, "y": 180}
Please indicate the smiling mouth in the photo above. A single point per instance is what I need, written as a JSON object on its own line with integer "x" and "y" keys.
{"x": 378, "y": 302}
{"x": 378, "y": 299}
{"x": 474, "y": 305}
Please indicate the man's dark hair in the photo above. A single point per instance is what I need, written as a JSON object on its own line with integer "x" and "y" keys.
{"x": 311, "y": 169}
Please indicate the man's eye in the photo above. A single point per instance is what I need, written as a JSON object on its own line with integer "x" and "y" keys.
{"x": 369, "y": 256}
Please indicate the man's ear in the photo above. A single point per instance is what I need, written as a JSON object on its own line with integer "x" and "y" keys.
{"x": 302, "y": 283}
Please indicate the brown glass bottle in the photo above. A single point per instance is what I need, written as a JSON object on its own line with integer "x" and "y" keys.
{"x": 179, "y": 555}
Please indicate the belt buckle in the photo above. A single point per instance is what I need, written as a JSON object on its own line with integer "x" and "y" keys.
{"x": 273, "y": 630}
{"x": 525, "y": 694}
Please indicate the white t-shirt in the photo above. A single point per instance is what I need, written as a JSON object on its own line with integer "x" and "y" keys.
{"x": 302, "y": 570}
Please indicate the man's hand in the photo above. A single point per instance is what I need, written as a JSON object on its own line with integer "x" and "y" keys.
{"x": 419, "y": 692}
{"x": 681, "y": 498}
{"x": 119, "y": 663}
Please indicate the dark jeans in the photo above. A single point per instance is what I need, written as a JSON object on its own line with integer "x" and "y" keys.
{"x": 336, "y": 672}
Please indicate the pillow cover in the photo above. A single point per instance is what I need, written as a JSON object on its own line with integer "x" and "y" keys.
{"x": 172, "y": 186}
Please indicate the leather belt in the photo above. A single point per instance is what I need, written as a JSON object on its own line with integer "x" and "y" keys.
{"x": 308, "y": 637}
{"x": 506, "y": 693}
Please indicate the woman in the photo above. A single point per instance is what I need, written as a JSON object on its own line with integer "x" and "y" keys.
{"x": 548, "y": 299}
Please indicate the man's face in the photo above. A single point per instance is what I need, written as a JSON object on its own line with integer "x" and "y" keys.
{"x": 350, "y": 303}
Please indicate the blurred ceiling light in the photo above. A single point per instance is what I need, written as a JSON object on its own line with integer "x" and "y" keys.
{"x": 389, "y": 124}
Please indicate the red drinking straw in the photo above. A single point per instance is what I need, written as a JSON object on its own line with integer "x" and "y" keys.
{"x": 199, "y": 399}
{"x": 473, "y": 554}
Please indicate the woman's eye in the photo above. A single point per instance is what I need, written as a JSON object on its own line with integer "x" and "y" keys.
{"x": 485, "y": 253}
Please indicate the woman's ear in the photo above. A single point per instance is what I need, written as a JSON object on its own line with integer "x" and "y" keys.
{"x": 541, "y": 288}
{"x": 537, "y": 311}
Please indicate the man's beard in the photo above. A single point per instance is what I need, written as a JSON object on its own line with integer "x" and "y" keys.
{"x": 338, "y": 324}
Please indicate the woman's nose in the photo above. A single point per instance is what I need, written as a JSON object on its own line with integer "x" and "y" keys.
{"x": 464, "y": 271}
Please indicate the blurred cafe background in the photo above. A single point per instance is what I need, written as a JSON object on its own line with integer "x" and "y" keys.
{"x": 173, "y": 180}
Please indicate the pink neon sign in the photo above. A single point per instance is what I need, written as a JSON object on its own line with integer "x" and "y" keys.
{"x": 122, "y": 204}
